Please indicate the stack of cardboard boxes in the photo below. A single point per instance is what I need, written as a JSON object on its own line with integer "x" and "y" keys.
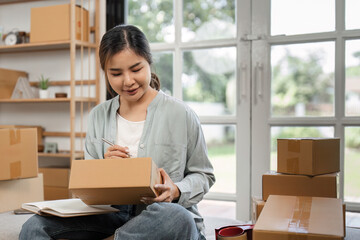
{"x": 19, "y": 179}
{"x": 300, "y": 199}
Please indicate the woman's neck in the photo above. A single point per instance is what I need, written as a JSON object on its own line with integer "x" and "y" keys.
{"x": 136, "y": 111}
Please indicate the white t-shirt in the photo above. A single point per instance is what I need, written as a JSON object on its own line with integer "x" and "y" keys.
{"x": 129, "y": 134}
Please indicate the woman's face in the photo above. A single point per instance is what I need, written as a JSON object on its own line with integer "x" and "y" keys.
{"x": 129, "y": 75}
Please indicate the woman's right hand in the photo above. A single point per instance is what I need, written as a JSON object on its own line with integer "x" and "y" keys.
{"x": 117, "y": 151}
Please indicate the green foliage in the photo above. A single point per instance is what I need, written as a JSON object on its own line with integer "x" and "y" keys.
{"x": 295, "y": 132}
{"x": 303, "y": 81}
{"x": 43, "y": 82}
{"x": 353, "y": 71}
{"x": 352, "y": 137}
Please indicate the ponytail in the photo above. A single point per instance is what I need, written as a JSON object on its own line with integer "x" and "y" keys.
{"x": 155, "y": 82}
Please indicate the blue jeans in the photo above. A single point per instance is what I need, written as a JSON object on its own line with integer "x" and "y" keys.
{"x": 168, "y": 221}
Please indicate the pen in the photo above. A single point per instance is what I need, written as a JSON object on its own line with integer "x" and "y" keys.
{"x": 112, "y": 144}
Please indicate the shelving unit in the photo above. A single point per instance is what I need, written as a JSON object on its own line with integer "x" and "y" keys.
{"x": 75, "y": 48}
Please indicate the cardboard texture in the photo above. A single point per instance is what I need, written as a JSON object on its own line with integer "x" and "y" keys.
{"x": 56, "y": 177}
{"x": 18, "y": 153}
{"x": 299, "y": 185}
{"x": 56, "y": 193}
{"x": 301, "y": 218}
{"x": 39, "y": 129}
{"x": 52, "y": 23}
{"x": 110, "y": 181}
{"x": 8, "y": 79}
{"x": 257, "y": 206}
{"x": 308, "y": 156}
{"x": 16, "y": 192}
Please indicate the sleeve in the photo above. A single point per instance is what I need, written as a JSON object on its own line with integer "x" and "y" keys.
{"x": 199, "y": 173}
{"x": 91, "y": 142}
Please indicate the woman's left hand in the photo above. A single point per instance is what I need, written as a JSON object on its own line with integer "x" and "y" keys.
{"x": 168, "y": 191}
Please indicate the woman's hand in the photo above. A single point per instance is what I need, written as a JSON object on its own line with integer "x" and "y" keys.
{"x": 117, "y": 151}
{"x": 168, "y": 191}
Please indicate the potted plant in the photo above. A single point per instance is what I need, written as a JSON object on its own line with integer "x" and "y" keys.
{"x": 43, "y": 85}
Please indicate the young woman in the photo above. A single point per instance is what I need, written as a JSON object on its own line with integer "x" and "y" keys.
{"x": 143, "y": 122}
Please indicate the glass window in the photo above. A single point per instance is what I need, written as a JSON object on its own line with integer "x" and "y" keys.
{"x": 209, "y": 80}
{"x": 155, "y": 18}
{"x": 352, "y": 73}
{"x": 291, "y": 17}
{"x": 352, "y": 164}
{"x": 352, "y": 17}
{"x": 295, "y": 132}
{"x": 208, "y": 20}
{"x": 163, "y": 67}
{"x": 211, "y": 208}
{"x": 303, "y": 79}
{"x": 220, "y": 140}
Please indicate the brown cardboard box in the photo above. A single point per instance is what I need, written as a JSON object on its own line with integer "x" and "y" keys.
{"x": 292, "y": 217}
{"x": 110, "y": 181}
{"x": 52, "y": 23}
{"x": 56, "y": 177}
{"x": 308, "y": 156}
{"x": 257, "y": 207}
{"x": 299, "y": 185}
{"x": 39, "y": 129}
{"x": 56, "y": 183}
{"x": 18, "y": 153}
{"x": 55, "y": 193}
{"x": 18, "y": 191}
{"x": 8, "y": 79}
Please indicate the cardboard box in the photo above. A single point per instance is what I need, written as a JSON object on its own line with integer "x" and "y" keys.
{"x": 56, "y": 193}
{"x": 8, "y": 79}
{"x": 16, "y": 192}
{"x": 111, "y": 181}
{"x": 308, "y": 156}
{"x": 39, "y": 129}
{"x": 18, "y": 153}
{"x": 299, "y": 185}
{"x": 257, "y": 207}
{"x": 56, "y": 177}
{"x": 292, "y": 217}
{"x": 52, "y": 23}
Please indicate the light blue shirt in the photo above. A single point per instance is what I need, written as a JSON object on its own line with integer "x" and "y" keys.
{"x": 172, "y": 137}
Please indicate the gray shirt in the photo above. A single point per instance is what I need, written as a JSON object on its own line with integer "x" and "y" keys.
{"x": 172, "y": 137}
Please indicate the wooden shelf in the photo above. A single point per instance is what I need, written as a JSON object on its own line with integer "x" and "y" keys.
{"x": 38, "y": 100}
{"x": 44, "y": 46}
{"x": 66, "y": 83}
{"x": 62, "y": 154}
{"x": 63, "y": 134}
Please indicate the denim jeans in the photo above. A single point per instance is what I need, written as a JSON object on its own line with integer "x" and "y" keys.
{"x": 168, "y": 221}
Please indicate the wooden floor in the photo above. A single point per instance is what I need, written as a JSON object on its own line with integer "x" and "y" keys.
{"x": 227, "y": 210}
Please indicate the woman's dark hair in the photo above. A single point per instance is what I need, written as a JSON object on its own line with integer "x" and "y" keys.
{"x": 125, "y": 37}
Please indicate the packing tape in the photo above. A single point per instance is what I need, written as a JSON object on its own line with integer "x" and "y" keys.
{"x": 15, "y": 169}
{"x": 292, "y": 164}
{"x": 299, "y": 222}
{"x": 236, "y": 232}
{"x": 15, "y": 136}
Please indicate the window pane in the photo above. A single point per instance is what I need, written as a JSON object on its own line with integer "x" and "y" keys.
{"x": 352, "y": 17}
{"x": 163, "y": 67}
{"x": 220, "y": 141}
{"x": 352, "y": 164}
{"x": 295, "y": 132}
{"x": 219, "y": 209}
{"x": 298, "y": 17}
{"x": 154, "y": 17}
{"x": 206, "y": 20}
{"x": 352, "y": 72}
{"x": 209, "y": 80}
{"x": 303, "y": 79}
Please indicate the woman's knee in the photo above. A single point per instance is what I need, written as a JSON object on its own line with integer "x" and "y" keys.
{"x": 172, "y": 211}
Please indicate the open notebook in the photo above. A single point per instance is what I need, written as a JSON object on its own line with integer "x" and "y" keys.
{"x": 66, "y": 208}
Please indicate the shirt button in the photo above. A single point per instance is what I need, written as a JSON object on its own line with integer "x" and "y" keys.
{"x": 142, "y": 145}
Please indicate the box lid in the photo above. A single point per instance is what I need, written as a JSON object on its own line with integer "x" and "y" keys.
{"x": 302, "y": 215}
